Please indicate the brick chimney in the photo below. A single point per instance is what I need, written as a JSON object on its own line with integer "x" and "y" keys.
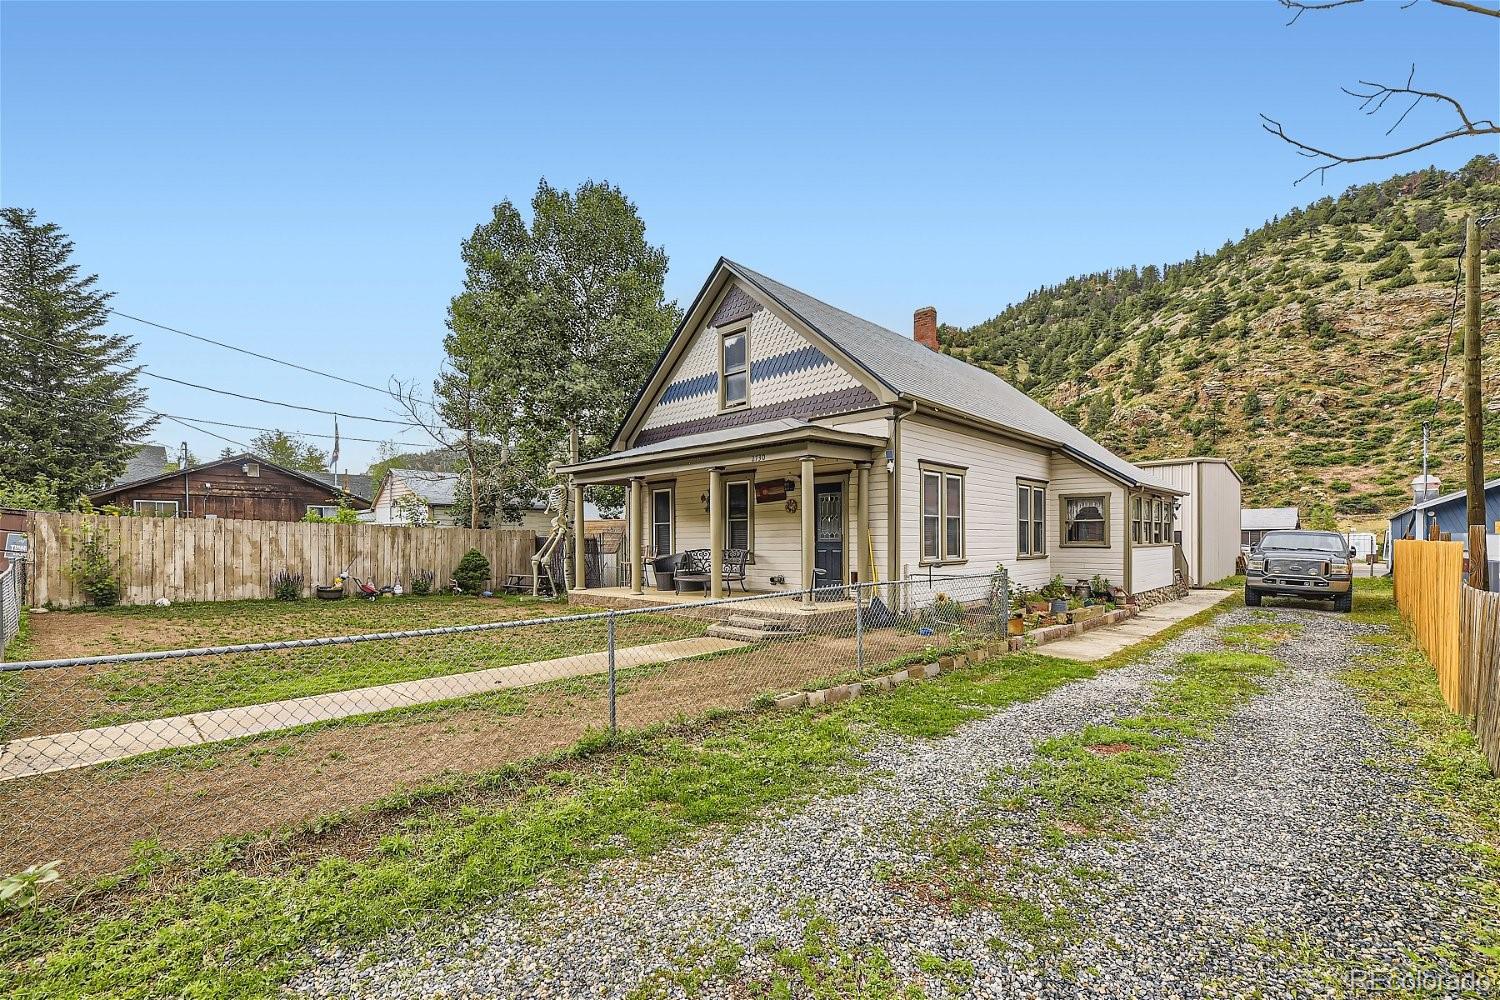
{"x": 924, "y": 327}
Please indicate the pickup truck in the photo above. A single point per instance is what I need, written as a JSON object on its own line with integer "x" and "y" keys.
{"x": 1307, "y": 564}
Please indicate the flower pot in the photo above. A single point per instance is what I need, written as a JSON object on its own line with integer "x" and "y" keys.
{"x": 1017, "y": 626}
{"x": 330, "y": 593}
{"x": 1059, "y": 606}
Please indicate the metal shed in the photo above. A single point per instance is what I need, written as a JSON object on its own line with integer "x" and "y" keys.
{"x": 1208, "y": 517}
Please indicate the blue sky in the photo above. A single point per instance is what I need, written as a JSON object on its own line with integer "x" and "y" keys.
{"x": 297, "y": 178}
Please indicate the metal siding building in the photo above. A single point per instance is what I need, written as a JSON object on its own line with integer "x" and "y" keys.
{"x": 1209, "y": 517}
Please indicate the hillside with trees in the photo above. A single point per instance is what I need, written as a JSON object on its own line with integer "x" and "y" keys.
{"x": 1309, "y": 352}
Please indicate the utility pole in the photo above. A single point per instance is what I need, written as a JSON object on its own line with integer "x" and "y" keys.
{"x": 1474, "y": 413}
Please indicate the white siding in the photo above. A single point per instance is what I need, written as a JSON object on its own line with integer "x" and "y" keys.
{"x": 769, "y": 338}
{"x": 1221, "y": 522}
{"x": 1083, "y": 563}
{"x": 1210, "y": 512}
{"x": 1150, "y": 568}
{"x": 992, "y": 467}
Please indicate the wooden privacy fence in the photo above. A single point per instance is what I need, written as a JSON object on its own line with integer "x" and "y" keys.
{"x": 1459, "y": 628}
{"x": 201, "y": 559}
{"x": 1428, "y": 578}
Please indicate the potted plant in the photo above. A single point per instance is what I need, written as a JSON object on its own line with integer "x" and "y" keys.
{"x": 1055, "y": 591}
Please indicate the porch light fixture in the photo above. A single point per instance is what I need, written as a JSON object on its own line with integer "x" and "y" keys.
{"x": 703, "y": 499}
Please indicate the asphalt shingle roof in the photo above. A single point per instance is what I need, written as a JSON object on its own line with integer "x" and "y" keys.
{"x": 437, "y": 488}
{"x": 356, "y": 486}
{"x": 148, "y": 462}
{"x": 910, "y": 369}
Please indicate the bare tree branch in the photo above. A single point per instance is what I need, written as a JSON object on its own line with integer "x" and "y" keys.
{"x": 1470, "y": 7}
{"x": 1301, "y": 7}
{"x": 1371, "y": 101}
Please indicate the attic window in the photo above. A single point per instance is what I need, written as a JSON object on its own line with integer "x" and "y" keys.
{"x": 251, "y": 469}
{"x": 734, "y": 368}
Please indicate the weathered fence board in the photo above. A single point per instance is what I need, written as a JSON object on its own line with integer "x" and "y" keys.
{"x": 1459, "y": 628}
{"x": 198, "y": 559}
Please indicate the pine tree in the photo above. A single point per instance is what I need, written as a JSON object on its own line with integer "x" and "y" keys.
{"x": 70, "y": 408}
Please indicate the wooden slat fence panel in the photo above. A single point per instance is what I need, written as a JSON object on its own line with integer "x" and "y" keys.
{"x": 196, "y": 559}
{"x": 1480, "y": 645}
{"x": 1459, "y": 628}
{"x": 1429, "y": 576}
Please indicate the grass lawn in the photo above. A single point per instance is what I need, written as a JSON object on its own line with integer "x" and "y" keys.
{"x": 72, "y": 698}
{"x": 237, "y": 919}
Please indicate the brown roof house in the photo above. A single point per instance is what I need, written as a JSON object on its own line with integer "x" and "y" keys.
{"x": 238, "y": 486}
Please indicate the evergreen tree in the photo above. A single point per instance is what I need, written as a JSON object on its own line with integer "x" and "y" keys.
{"x": 70, "y": 408}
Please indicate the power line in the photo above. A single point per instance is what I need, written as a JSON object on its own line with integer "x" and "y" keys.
{"x": 237, "y": 395}
{"x": 263, "y": 357}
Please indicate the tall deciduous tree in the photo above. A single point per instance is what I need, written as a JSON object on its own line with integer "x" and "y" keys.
{"x": 70, "y": 407}
{"x": 289, "y": 451}
{"x": 557, "y": 326}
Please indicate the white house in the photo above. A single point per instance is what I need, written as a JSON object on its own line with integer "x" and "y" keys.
{"x": 1256, "y": 521}
{"x": 828, "y": 447}
{"x": 429, "y": 496}
{"x": 1208, "y": 513}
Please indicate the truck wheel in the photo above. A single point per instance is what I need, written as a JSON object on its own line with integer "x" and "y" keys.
{"x": 1344, "y": 603}
{"x": 1252, "y": 598}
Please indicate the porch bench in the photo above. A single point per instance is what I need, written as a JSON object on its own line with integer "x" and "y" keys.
{"x": 695, "y": 570}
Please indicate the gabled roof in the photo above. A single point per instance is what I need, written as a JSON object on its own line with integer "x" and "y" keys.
{"x": 910, "y": 371}
{"x": 309, "y": 477}
{"x": 436, "y": 488}
{"x": 355, "y": 486}
{"x": 1267, "y": 518}
{"x": 148, "y": 462}
{"x": 1446, "y": 498}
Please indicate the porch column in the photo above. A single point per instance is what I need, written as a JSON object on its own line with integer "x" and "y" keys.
{"x": 716, "y": 532}
{"x": 580, "y": 550}
{"x": 864, "y": 557}
{"x": 637, "y": 570}
{"x": 809, "y": 533}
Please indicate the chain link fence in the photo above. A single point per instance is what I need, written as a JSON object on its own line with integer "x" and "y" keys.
{"x": 12, "y": 592}
{"x": 104, "y": 757}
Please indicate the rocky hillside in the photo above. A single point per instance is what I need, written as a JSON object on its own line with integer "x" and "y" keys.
{"x": 1308, "y": 351}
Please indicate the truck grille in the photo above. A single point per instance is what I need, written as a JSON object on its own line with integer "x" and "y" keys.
{"x": 1297, "y": 567}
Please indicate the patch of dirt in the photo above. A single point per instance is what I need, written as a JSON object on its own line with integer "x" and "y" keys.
{"x": 90, "y": 818}
{"x": 1108, "y": 749}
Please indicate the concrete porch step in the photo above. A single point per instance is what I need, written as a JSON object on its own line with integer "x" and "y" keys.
{"x": 747, "y": 629}
{"x": 740, "y": 620}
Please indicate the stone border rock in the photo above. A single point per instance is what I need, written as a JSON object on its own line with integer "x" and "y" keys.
{"x": 921, "y": 671}
{"x": 885, "y": 682}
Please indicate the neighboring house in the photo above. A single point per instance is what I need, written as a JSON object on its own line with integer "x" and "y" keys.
{"x": 238, "y": 486}
{"x": 149, "y": 460}
{"x": 430, "y": 496}
{"x": 1208, "y": 518}
{"x": 1256, "y": 521}
{"x": 829, "y": 446}
{"x": 1450, "y": 513}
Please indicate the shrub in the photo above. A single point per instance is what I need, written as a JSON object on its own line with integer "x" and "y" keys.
{"x": 95, "y": 565}
{"x": 286, "y": 586}
{"x": 421, "y": 582}
{"x": 473, "y": 572}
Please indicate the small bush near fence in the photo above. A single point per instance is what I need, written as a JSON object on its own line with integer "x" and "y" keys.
{"x": 180, "y": 749}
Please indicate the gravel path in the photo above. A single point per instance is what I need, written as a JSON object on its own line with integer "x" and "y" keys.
{"x": 1285, "y": 847}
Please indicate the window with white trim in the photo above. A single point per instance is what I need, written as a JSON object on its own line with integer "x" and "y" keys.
{"x": 739, "y": 510}
{"x": 154, "y": 508}
{"x": 1031, "y": 519}
{"x": 322, "y": 509}
{"x": 734, "y": 368}
{"x": 1137, "y": 532}
{"x": 942, "y": 515}
{"x": 661, "y": 520}
{"x": 1086, "y": 520}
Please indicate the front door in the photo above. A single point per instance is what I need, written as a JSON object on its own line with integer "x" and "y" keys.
{"x": 829, "y": 556}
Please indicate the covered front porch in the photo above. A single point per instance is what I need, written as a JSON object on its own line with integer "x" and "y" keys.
{"x": 796, "y": 498}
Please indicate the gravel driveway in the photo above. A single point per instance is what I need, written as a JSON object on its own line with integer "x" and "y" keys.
{"x": 1286, "y": 852}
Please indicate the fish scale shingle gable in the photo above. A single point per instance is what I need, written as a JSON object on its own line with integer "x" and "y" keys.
{"x": 910, "y": 369}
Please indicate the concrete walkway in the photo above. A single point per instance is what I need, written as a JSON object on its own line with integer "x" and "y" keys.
{"x": 64, "y": 751}
{"x": 1103, "y": 642}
